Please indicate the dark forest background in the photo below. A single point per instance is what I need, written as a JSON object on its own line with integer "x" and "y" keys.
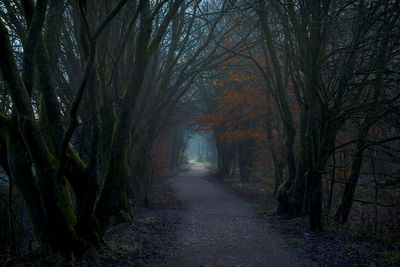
{"x": 98, "y": 98}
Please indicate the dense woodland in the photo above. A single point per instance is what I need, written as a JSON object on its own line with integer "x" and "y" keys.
{"x": 100, "y": 97}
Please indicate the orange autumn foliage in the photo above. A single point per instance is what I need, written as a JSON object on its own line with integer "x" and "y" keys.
{"x": 242, "y": 109}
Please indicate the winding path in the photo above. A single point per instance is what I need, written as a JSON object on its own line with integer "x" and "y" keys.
{"x": 219, "y": 229}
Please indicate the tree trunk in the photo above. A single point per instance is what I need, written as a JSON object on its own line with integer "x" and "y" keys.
{"x": 346, "y": 202}
{"x": 315, "y": 200}
{"x": 245, "y": 160}
{"x": 225, "y": 158}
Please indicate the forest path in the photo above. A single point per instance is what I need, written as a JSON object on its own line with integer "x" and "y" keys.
{"x": 219, "y": 229}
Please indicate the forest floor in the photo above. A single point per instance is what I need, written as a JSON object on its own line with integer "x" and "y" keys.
{"x": 147, "y": 240}
{"x": 195, "y": 219}
{"x": 336, "y": 245}
{"x": 219, "y": 229}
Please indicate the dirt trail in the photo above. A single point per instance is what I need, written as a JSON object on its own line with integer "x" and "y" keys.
{"x": 219, "y": 229}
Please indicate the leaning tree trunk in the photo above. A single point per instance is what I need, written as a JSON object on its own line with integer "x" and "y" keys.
{"x": 113, "y": 201}
{"x": 283, "y": 193}
{"x": 371, "y": 117}
{"x": 346, "y": 202}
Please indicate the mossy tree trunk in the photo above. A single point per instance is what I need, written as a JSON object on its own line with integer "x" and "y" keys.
{"x": 40, "y": 159}
{"x": 284, "y": 109}
{"x": 304, "y": 180}
{"x": 113, "y": 199}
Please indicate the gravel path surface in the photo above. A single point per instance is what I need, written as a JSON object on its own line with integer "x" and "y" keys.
{"x": 219, "y": 229}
